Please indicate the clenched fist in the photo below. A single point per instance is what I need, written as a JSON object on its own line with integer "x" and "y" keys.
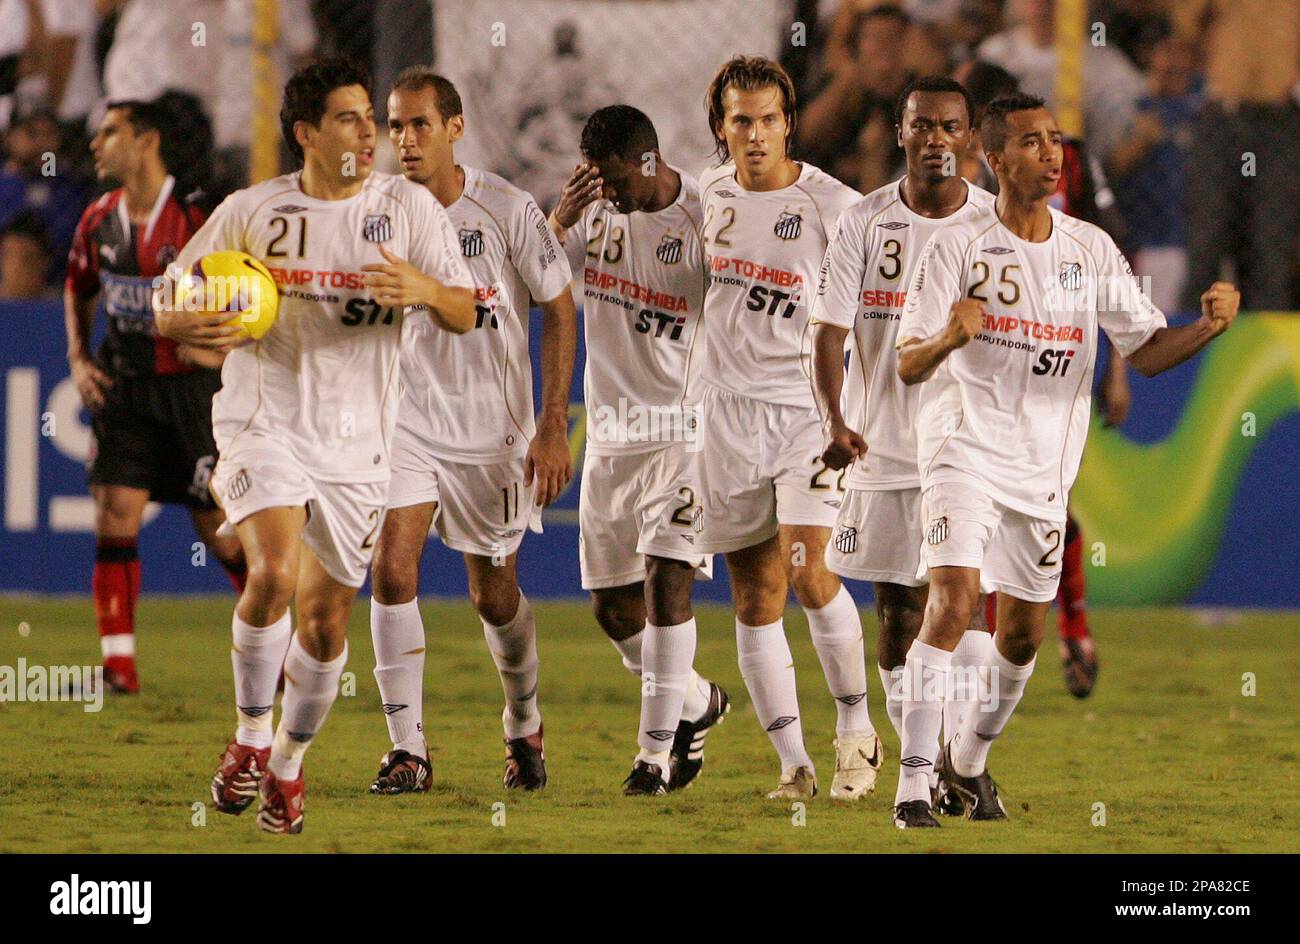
{"x": 965, "y": 320}
{"x": 1219, "y": 305}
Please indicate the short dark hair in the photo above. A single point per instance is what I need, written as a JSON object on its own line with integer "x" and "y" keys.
{"x": 415, "y": 78}
{"x": 308, "y": 88}
{"x": 993, "y": 127}
{"x": 881, "y": 11}
{"x": 30, "y": 225}
{"x": 618, "y": 131}
{"x": 985, "y": 82}
{"x": 185, "y": 140}
{"x": 933, "y": 83}
{"x": 749, "y": 73}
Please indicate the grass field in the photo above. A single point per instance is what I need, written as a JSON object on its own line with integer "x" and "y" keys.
{"x": 1181, "y": 758}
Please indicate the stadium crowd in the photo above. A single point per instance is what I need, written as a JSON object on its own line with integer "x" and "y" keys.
{"x": 1191, "y": 108}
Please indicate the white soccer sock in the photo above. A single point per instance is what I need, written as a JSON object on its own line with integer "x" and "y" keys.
{"x": 925, "y": 681}
{"x": 514, "y": 650}
{"x": 310, "y": 687}
{"x": 666, "y": 655}
{"x": 768, "y": 670}
{"x": 630, "y": 650}
{"x": 257, "y": 657}
{"x": 969, "y": 661}
{"x": 397, "y": 633}
{"x": 698, "y": 690}
{"x": 970, "y": 750}
{"x": 893, "y": 699}
{"x": 836, "y": 631}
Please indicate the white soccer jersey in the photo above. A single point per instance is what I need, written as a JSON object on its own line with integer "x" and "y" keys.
{"x": 863, "y": 287}
{"x": 325, "y": 378}
{"x": 643, "y": 281}
{"x": 764, "y": 250}
{"x": 1011, "y": 408}
{"x": 469, "y": 397}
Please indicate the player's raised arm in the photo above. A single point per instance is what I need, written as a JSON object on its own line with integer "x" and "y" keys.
{"x": 832, "y": 316}
{"x": 933, "y": 325}
{"x": 581, "y": 189}
{"x": 1168, "y": 347}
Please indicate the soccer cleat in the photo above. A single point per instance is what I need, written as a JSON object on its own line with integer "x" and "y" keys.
{"x": 978, "y": 795}
{"x": 525, "y": 763}
{"x": 942, "y": 800}
{"x": 687, "y": 756}
{"x": 857, "y": 762}
{"x": 914, "y": 814}
{"x": 797, "y": 783}
{"x": 120, "y": 677}
{"x": 281, "y": 810}
{"x": 234, "y": 785}
{"x": 1079, "y": 663}
{"x": 402, "y": 772}
{"x": 646, "y": 779}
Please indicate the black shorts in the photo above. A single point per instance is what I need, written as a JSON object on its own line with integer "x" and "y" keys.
{"x": 155, "y": 432}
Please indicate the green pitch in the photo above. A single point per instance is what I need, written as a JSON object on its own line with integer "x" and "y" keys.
{"x": 1181, "y": 759}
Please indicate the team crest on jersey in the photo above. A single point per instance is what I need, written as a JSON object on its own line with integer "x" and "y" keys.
{"x": 1071, "y": 275}
{"x": 997, "y": 250}
{"x": 239, "y": 485}
{"x": 846, "y": 539}
{"x": 471, "y": 243}
{"x": 377, "y": 228}
{"x": 697, "y": 520}
{"x": 789, "y": 225}
{"x": 670, "y": 250}
{"x": 166, "y": 255}
{"x": 938, "y": 532}
{"x": 893, "y": 224}
{"x": 289, "y": 208}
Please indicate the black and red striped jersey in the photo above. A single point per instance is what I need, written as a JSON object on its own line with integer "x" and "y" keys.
{"x": 119, "y": 261}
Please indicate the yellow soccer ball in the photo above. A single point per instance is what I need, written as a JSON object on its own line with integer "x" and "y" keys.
{"x": 238, "y": 283}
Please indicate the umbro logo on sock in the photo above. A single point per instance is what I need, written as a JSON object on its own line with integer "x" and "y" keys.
{"x": 532, "y": 693}
{"x": 782, "y": 722}
{"x": 393, "y": 709}
{"x": 661, "y": 735}
{"x": 301, "y": 737}
{"x": 851, "y": 699}
{"x": 254, "y": 711}
{"x": 914, "y": 761}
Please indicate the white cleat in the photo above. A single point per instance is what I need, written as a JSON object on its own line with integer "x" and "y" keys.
{"x": 797, "y": 783}
{"x": 857, "y": 762}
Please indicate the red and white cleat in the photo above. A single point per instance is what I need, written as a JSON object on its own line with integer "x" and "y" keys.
{"x": 234, "y": 785}
{"x": 281, "y": 810}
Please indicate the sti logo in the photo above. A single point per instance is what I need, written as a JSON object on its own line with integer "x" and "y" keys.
{"x": 788, "y": 225}
{"x": 1053, "y": 362}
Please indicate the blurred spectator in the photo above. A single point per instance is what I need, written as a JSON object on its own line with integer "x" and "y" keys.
{"x": 1243, "y": 192}
{"x": 847, "y": 129}
{"x": 1132, "y": 26}
{"x": 34, "y": 177}
{"x": 25, "y": 259}
{"x": 233, "y": 119}
{"x": 16, "y": 15}
{"x": 1111, "y": 84}
{"x": 71, "y": 75}
{"x": 165, "y": 44}
{"x": 1150, "y": 169}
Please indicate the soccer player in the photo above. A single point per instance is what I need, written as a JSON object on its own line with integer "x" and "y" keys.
{"x": 630, "y": 222}
{"x": 305, "y": 420}
{"x": 765, "y": 498}
{"x": 150, "y": 400}
{"x": 1000, "y": 330}
{"x": 468, "y": 454}
{"x": 861, "y": 293}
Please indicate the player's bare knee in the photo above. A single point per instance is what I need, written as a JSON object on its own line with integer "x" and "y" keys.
{"x": 497, "y": 601}
{"x": 393, "y": 582}
{"x": 759, "y": 602}
{"x": 270, "y": 584}
{"x": 668, "y": 591}
{"x": 616, "y": 616}
{"x": 322, "y": 632}
{"x": 814, "y": 587}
